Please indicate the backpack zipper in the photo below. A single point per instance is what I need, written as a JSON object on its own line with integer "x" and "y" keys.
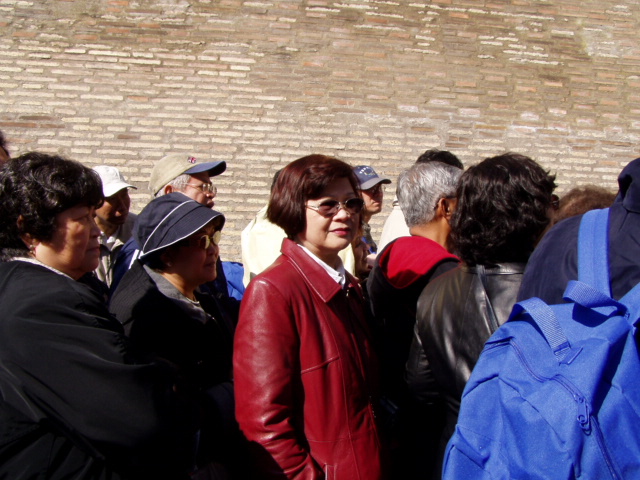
{"x": 586, "y": 420}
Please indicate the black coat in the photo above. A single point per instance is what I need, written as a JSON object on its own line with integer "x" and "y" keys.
{"x": 160, "y": 328}
{"x": 453, "y": 324}
{"x": 74, "y": 401}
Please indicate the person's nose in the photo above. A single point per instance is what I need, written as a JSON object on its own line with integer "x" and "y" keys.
{"x": 95, "y": 230}
{"x": 342, "y": 214}
{"x": 213, "y": 250}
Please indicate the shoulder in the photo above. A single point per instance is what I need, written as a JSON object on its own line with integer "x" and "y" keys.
{"x": 408, "y": 259}
{"x": 33, "y": 291}
{"x": 35, "y": 283}
{"x": 553, "y": 263}
{"x": 446, "y": 286}
{"x": 136, "y": 291}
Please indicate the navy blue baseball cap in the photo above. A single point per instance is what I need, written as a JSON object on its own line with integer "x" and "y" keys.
{"x": 170, "y": 218}
{"x": 368, "y": 178}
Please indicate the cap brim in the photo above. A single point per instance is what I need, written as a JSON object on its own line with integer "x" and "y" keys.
{"x": 180, "y": 227}
{"x": 214, "y": 168}
{"x": 115, "y": 187}
{"x": 373, "y": 182}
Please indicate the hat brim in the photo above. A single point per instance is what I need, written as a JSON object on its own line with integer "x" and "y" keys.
{"x": 115, "y": 187}
{"x": 213, "y": 168}
{"x": 178, "y": 225}
{"x": 373, "y": 182}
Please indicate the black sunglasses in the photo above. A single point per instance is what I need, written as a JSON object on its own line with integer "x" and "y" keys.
{"x": 329, "y": 208}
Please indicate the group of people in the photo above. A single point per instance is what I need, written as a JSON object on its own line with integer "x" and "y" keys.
{"x": 124, "y": 354}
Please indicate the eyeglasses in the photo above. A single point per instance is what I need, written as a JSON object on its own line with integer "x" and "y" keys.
{"x": 205, "y": 241}
{"x": 204, "y": 188}
{"x": 329, "y": 208}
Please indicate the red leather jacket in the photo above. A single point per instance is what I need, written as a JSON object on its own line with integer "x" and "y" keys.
{"x": 305, "y": 374}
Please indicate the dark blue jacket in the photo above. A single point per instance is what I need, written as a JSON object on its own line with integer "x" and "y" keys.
{"x": 219, "y": 287}
{"x": 554, "y": 262}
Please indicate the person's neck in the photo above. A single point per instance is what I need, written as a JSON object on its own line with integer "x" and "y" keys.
{"x": 183, "y": 287}
{"x": 433, "y": 231}
{"x": 366, "y": 217}
{"x": 105, "y": 227}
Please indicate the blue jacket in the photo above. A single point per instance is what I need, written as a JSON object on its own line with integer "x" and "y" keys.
{"x": 554, "y": 262}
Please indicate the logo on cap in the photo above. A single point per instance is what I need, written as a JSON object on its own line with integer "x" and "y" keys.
{"x": 192, "y": 160}
{"x": 365, "y": 170}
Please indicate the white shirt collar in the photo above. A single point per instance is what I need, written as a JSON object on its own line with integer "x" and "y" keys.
{"x": 338, "y": 275}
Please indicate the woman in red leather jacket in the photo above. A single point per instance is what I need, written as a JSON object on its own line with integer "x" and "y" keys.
{"x": 304, "y": 370}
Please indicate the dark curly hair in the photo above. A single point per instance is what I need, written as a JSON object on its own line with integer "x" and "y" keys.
{"x": 3, "y": 144}
{"x": 304, "y": 179}
{"x": 34, "y": 188}
{"x": 503, "y": 208}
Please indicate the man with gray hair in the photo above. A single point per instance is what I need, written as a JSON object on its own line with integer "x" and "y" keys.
{"x": 426, "y": 193}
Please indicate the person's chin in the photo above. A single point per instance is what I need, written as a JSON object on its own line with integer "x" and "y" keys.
{"x": 91, "y": 264}
{"x": 211, "y": 273}
{"x": 342, "y": 239}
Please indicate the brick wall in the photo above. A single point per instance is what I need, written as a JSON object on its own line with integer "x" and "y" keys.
{"x": 261, "y": 83}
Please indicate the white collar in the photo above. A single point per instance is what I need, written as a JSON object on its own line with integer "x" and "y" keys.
{"x": 338, "y": 275}
{"x": 38, "y": 262}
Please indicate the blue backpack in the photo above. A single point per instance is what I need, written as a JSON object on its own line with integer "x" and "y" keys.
{"x": 556, "y": 391}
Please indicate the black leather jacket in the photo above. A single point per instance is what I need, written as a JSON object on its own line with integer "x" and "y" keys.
{"x": 453, "y": 324}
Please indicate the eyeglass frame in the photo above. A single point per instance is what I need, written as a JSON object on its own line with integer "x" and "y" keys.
{"x": 203, "y": 188}
{"x": 339, "y": 205}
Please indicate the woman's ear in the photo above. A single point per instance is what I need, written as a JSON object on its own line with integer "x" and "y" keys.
{"x": 27, "y": 238}
{"x": 167, "y": 257}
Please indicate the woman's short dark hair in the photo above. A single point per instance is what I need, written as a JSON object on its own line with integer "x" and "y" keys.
{"x": 34, "y": 188}
{"x": 503, "y": 208}
{"x": 304, "y": 179}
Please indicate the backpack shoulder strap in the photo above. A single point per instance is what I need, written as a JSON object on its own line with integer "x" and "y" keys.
{"x": 593, "y": 270}
{"x": 593, "y": 250}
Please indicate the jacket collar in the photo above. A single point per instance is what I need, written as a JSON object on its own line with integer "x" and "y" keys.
{"x": 314, "y": 275}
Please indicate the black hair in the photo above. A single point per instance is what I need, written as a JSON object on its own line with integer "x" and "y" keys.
{"x": 503, "y": 207}
{"x": 442, "y": 156}
{"x": 34, "y": 188}
{"x": 3, "y": 144}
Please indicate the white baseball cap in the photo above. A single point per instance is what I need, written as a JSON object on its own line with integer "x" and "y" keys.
{"x": 112, "y": 180}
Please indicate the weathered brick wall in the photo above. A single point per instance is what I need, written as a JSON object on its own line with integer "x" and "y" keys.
{"x": 261, "y": 83}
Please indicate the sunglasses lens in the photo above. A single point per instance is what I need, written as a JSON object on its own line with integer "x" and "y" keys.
{"x": 354, "y": 205}
{"x": 205, "y": 242}
{"x": 216, "y": 237}
{"x": 328, "y": 208}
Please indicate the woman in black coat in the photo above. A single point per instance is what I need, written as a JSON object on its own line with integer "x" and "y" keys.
{"x": 168, "y": 317}
{"x": 74, "y": 400}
